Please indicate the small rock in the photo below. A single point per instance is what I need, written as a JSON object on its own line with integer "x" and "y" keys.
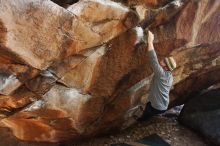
{"x": 163, "y": 133}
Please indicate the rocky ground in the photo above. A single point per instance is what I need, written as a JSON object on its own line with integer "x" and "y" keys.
{"x": 166, "y": 127}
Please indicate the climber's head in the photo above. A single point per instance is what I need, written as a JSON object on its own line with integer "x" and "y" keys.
{"x": 168, "y": 63}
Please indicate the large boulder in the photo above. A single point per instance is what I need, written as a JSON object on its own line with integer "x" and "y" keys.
{"x": 83, "y": 70}
{"x": 204, "y": 116}
{"x": 89, "y": 97}
{"x": 47, "y": 32}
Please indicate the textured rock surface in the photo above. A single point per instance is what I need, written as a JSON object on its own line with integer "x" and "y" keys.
{"x": 47, "y": 32}
{"x": 81, "y": 70}
{"x": 204, "y": 116}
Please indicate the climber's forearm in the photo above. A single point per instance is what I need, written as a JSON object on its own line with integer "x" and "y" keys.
{"x": 150, "y": 46}
{"x": 150, "y": 41}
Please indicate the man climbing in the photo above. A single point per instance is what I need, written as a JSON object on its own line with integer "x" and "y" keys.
{"x": 161, "y": 83}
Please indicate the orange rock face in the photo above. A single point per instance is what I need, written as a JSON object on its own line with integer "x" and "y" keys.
{"x": 47, "y": 32}
{"x": 82, "y": 70}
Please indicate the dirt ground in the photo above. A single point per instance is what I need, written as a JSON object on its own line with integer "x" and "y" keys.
{"x": 168, "y": 128}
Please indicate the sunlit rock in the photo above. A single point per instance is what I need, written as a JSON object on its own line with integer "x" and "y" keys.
{"x": 47, "y": 32}
{"x": 82, "y": 70}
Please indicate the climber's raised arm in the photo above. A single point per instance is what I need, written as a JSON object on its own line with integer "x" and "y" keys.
{"x": 158, "y": 70}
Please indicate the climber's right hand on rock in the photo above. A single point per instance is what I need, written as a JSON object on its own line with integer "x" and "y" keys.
{"x": 150, "y": 40}
{"x": 150, "y": 37}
